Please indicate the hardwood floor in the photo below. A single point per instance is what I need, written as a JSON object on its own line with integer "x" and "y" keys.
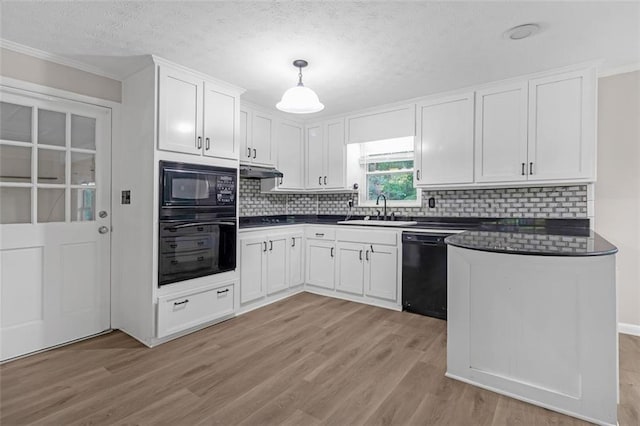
{"x": 305, "y": 360}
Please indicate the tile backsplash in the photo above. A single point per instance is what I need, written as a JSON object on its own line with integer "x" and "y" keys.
{"x": 543, "y": 202}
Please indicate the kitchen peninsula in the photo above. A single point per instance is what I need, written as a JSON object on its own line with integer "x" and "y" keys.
{"x": 532, "y": 315}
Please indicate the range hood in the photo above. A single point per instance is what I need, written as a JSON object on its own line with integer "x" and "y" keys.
{"x": 256, "y": 172}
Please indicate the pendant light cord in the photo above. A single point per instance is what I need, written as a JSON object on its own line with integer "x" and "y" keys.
{"x": 300, "y": 77}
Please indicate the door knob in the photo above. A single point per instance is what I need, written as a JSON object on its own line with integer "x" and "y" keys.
{"x": 103, "y": 229}
{"x": 103, "y": 214}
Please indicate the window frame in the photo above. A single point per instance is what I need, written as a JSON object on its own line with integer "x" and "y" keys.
{"x": 363, "y": 199}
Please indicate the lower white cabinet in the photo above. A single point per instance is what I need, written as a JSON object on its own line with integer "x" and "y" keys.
{"x": 269, "y": 263}
{"x": 320, "y": 263}
{"x": 369, "y": 269}
{"x": 186, "y": 310}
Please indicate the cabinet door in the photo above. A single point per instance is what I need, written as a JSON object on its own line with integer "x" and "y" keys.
{"x": 244, "y": 135}
{"x": 445, "y": 135}
{"x": 381, "y": 272}
{"x": 501, "y": 133}
{"x": 219, "y": 123}
{"x": 320, "y": 263}
{"x": 562, "y": 126}
{"x": 276, "y": 264}
{"x": 350, "y": 267}
{"x": 315, "y": 157}
{"x": 261, "y": 139}
{"x": 290, "y": 155}
{"x": 296, "y": 260}
{"x": 252, "y": 268}
{"x": 179, "y": 112}
{"x": 335, "y": 152}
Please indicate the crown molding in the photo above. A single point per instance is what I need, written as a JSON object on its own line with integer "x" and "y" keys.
{"x": 58, "y": 59}
{"x": 608, "y": 72}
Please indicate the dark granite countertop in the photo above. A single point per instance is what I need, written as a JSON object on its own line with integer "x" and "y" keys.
{"x": 534, "y": 241}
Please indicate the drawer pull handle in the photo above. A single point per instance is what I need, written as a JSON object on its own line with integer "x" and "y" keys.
{"x": 200, "y": 243}
{"x": 185, "y": 301}
{"x": 223, "y": 291}
{"x": 325, "y": 180}
{"x": 173, "y": 245}
{"x": 331, "y": 251}
{"x": 270, "y": 245}
{"x": 366, "y": 255}
{"x": 249, "y": 152}
{"x": 319, "y": 234}
{"x": 293, "y": 242}
{"x": 360, "y": 255}
{"x": 371, "y": 248}
{"x": 200, "y": 228}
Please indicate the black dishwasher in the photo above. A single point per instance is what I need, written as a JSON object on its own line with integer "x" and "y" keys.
{"x": 424, "y": 273}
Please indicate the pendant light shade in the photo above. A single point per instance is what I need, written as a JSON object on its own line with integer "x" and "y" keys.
{"x": 300, "y": 99}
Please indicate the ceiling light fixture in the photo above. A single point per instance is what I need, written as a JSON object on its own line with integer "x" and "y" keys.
{"x": 300, "y": 99}
{"x": 522, "y": 31}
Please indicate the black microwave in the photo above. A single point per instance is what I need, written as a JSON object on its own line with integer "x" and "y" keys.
{"x": 197, "y": 189}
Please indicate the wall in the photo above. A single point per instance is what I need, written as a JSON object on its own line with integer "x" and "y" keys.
{"x": 548, "y": 202}
{"x": 46, "y": 73}
{"x": 617, "y": 192}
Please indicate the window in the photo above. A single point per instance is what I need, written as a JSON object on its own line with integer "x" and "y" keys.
{"x": 386, "y": 167}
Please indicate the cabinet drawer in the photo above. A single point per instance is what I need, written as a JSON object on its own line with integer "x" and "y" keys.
{"x": 320, "y": 233}
{"x": 368, "y": 236}
{"x": 177, "y": 313}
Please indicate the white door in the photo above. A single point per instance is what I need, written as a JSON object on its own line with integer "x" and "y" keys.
{"x": 561, "y": 126}
{"x": 219, "y": 123}
{"x": 55, "y": 189}
{"x": 277, "y": 264}
{"x": 291, "y": 155}
{"x": 335, "y": 153}
{"x": 296, "y": 260}
{"x": 501, "y": 133}
{"x": 320, "y": 263}
{"x": 180, "y": 112}
{"x": 350, "y": 267}
{"x": 381, "y": 272}
{"x": 315, "y": 157}
{"x": 445, "y": 141}
{"x": 252, "y": 268}
{"x": 244, "y": 135}
{"x": 261, "y": 139}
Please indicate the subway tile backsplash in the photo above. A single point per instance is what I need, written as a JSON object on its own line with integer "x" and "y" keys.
{"x": 542, "y": 202}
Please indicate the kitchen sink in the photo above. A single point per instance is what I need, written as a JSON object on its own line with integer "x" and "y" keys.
{"x": 397, "y": 223}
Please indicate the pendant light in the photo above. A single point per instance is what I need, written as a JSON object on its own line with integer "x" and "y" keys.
{"x": 300, "y": 99}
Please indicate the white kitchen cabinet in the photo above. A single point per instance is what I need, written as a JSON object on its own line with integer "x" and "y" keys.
{"x": 195, "y": 116}
{"x": 562, "y": 126}
{"x": 320, "y": 263}
{"x": 270, "y": 262}
{"x": 350, "y": 268}
{"x": 326, "y": 155}
{"x": 256, "y": 136}
{"x": 276, "y": 254}
{"x": 381, "y": 272}
{"x": 387, "y": 123}
{"x": 296, "y": 259}
{"x": 252, "y": 268}
{"x": 444, "y": 142}
{"x": 180, "y": 111}
{"x": 290, "y": 155}
{"x": 501, "y": 133}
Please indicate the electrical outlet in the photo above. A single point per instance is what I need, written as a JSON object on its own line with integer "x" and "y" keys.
{"x": 126, "y": 197}
{"x": 432, "y": 202}
{"x": 350, "y": 202}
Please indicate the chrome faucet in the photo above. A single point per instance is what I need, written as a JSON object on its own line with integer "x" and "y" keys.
{"x": 385, "y": 205}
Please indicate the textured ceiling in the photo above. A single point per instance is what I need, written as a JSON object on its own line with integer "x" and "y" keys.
{"x": 361, "y": 54}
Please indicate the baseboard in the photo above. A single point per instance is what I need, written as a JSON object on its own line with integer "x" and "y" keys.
{"x": 632, "y": 329}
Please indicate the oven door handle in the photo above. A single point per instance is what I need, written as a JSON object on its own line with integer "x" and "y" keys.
{"x": 189, "y": 225}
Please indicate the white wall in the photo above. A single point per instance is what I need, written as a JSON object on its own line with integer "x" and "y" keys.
{"x": 46, "y": 73}
{"x": 617, "y": 193}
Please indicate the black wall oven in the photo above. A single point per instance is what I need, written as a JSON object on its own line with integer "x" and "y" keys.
{"x": 198, "y": 223}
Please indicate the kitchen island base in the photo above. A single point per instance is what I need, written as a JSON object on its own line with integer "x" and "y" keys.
{"x": 541, "y": 329}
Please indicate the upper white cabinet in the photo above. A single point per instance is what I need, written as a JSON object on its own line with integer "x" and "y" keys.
{"x": 256, "y": 137}
{"x": 501, "y": 133}
{"x": 290, "y": 157}
{"x": 388, "y": 123}
{"x": 540, "y": 130}
{"x": 444, "y": 143}
{"x": 562, "y": 126}
{"x": 196, "y": 116}
{"x": 325, "y": 155}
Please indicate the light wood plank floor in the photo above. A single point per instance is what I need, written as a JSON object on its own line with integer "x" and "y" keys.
{"x": 303, "y": 361}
